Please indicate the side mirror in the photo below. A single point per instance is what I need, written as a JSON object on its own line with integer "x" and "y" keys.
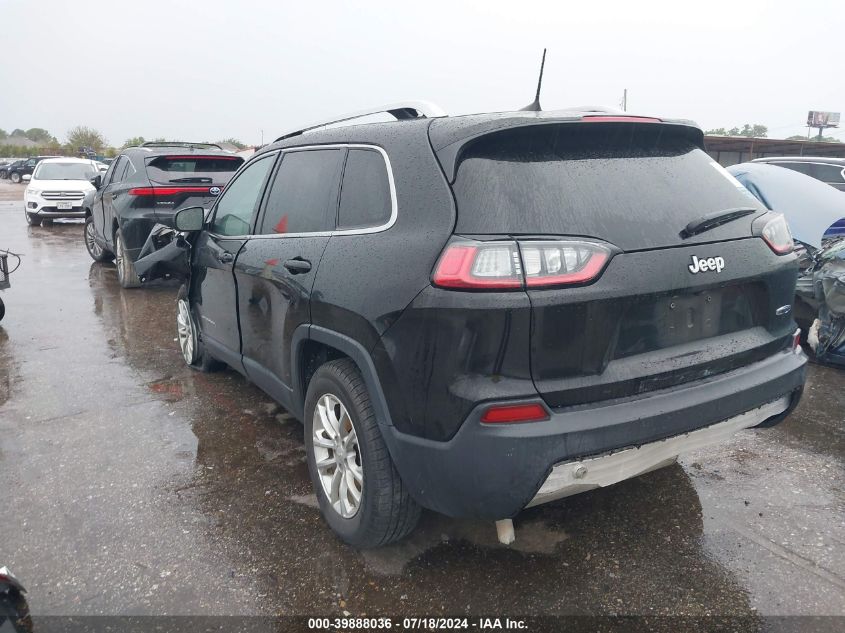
{"x": 26, "y": 177}
{"x": 97, "y": 181}
{"x": 190, "y": 219}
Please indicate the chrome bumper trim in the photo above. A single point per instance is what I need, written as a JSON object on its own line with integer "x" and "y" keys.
{"x": 570, "y": 478}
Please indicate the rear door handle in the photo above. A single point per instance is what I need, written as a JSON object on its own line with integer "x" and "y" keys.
{"x": 225, "y": 257}
{"x": 297, "y": 265}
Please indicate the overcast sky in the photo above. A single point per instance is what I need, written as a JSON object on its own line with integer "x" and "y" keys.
{"x": 211, "y": 69}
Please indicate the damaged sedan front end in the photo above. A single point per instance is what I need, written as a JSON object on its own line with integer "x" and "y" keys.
{"x": 822, "y": 285}
{"x": 813, "y": 210}
{"x": 167, "y": 251}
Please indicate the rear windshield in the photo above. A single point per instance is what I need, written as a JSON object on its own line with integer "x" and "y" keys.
{"x": 636, "y": 186}
{"x": 216, "y": 169}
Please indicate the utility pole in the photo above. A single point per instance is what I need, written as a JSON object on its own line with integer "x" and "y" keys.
{"x": 624, "y": 99}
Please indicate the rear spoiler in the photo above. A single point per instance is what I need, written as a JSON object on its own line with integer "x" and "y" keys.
{"x": 449, "y": 146}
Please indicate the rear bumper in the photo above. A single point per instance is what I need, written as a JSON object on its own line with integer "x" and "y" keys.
{"x": 581, "y": 475}
{"x": 494, "y": 471}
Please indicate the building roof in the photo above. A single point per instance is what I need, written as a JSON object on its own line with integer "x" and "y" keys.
{"x": 773, "y": 146}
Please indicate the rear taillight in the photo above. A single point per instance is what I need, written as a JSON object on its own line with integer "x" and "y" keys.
{"x": 481, "y": 265}
{"x": 166, "y": 191}
{"x": 776, "y": 234}
{"x": 510, "y": 413}
{"x": 796, "y": 340}
{"x": 503, "y": 265}
{"x": 562, "y": 262}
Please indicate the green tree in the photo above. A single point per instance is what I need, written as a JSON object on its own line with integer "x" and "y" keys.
{"x": 40, "y": 135}
{"x": 18, "y": 132}
{"x": 135, "y": 141}
{"x": 3, "y": 134}
{"x": 233, "y": 141}
{"x": 755, "y": 130}
{"x": 823, "y": 139}
{"x": 82, "y": 136}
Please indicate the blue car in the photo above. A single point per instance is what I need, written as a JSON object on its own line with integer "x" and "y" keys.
{"x": 812, "y": 208}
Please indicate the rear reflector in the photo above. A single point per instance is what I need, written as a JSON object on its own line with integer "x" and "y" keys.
{"x": 796, "y": 340}
{"x": 601, "y": 118}
{"x": 504, "y": 414}
{"x": 166, "y": 191}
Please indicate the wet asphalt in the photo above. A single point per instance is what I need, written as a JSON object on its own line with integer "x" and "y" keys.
{"x": 130, "y": 484}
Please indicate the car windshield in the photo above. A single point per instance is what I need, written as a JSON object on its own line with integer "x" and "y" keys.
{"x": 64, "y": 171}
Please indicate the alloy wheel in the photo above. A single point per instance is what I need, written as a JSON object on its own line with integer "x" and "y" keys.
{"x": 337, "y": 456}
{"x": 120, "y": 258}
{"x": 94, "y": 249}
{"x": 186, "y": 332}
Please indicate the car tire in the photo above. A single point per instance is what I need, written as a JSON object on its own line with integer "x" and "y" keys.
{"x": 97, "y": 252}
{"x": 15, "y": 177}
{"x": 32, "y": 220}
{"x": 351, "y": 463}
{"x": 125, "y": 267}
{"x": 189, "y": 339}
{"x": 2, "y": 309}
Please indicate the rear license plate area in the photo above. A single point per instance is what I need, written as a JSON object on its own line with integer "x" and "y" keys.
{"x": 652, "y": 323}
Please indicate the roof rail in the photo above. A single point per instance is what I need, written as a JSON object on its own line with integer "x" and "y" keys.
{"x": 180, "y": 144}
{"x": 402, "y": 110}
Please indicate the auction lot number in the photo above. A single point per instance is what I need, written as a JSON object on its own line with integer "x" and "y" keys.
{"x": 413, "y": 624}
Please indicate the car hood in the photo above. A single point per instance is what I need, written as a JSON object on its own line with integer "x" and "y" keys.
{"x": 60, "y": 185}
{"x": 811, "y": 207}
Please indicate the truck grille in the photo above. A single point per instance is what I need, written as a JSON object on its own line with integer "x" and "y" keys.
{"x": 62, "y": 195}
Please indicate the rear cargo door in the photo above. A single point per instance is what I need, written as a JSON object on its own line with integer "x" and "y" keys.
{"x": 187, "y": 180}
{"x": 654, "y": 317}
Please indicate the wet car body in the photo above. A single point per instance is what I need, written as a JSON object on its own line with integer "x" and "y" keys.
{"x": 146, "y": 185}
{"x": 816, "y": 214}
{"x": 661, "y": 342}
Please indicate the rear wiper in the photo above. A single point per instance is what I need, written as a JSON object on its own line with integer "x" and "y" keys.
{"x": 717, "y": 218}
{"x": 191, "y": 179}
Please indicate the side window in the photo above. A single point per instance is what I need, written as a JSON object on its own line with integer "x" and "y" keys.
{"x": 303, "y": 197}
{"x": 30, "y": 163}
{"x": 804, "y": 168}
{"x": 115, "y": 172}
{"x": 828, "y": 173}
{"x": 241, "y": 196}
{"x": 129, "y": 171}
{"x": 365, "y": 194}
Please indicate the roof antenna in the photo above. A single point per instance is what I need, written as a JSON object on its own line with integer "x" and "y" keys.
{"x": 534, "y": 106}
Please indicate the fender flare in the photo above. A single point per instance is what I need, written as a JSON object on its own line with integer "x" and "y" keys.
{"x": 351, "y": 348}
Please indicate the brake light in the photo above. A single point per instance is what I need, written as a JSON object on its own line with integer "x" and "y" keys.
{"x": 556, "y": 263}
{"x": 481, "y": 265}
{"x": 196, "y": 157}
{"x": 601, "y": 118}
{"x": 777, "y": 235}
{"x": 166, "y": 191}
{"x": 508, "y": 413}
{"x": 796, "y": 340}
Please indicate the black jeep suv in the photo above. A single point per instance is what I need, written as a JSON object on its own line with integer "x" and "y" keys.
{"x": 144, "y": 186}
{"x": 480, "y": 313}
